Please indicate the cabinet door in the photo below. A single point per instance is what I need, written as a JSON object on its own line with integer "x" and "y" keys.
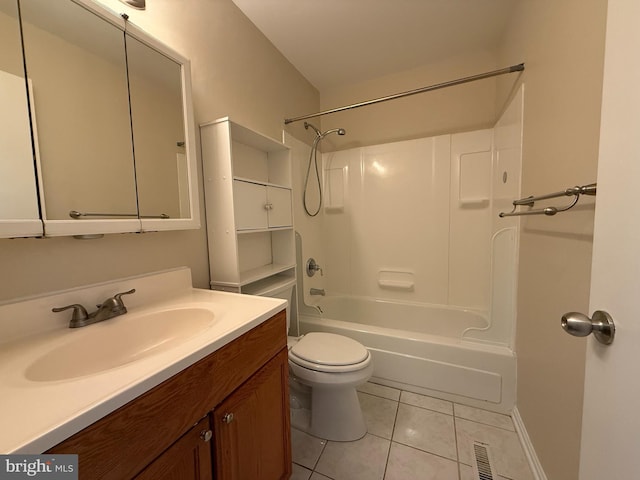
{"x": 250, "y": 204}
{"x": 251, "y": 427}
{"x": 279, "y": 207}
{"x": 187, "y": 459}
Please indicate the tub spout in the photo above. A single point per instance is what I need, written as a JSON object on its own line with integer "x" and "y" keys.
{"x": 317, "y": 291}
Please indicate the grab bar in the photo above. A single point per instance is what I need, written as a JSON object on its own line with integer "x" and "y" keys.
{"x": 589, "y": 189}
{"x": 78, "y": 215}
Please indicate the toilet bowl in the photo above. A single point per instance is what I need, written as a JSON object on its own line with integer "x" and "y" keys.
{"x": 324, "y": 371}
{"x": 332, "y": 366}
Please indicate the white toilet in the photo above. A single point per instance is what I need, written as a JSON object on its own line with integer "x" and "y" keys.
{"x": 325, "y": 370}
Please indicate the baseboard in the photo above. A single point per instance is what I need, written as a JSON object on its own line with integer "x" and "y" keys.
{"x": 527, "y": 446}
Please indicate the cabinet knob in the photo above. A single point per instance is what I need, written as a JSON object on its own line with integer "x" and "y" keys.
{"x": 228, "y": 418}
{"x": 206, "y": 435}
{"x": 268, "y": 206}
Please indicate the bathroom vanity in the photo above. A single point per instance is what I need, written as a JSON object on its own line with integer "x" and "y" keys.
{"x": 188, "y": 384}
{"x": 232, "y": 405}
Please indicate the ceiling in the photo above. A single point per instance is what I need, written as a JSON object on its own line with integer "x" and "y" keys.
{"x": 340, "y": 42}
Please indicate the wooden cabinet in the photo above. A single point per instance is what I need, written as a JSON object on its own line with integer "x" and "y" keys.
{"x": 187, "y": 459}
{"x": 251, "y": 438}
{"x": 249, "y": 208}
{"x": 160, "y": 434}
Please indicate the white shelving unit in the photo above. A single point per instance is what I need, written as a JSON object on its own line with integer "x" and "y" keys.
{"x": 249, "y": 210}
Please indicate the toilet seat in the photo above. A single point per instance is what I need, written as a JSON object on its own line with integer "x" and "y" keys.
{"x": 328, "y": 352}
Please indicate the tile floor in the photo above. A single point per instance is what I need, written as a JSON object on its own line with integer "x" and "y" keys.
{"x": 410, "y": 437}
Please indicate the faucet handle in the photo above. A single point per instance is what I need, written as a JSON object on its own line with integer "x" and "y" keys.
{"x": 118, "y": 296}
{"x": 115, "y": 303}
{"x": 79, "y": 312}
{"x": 313, "y": 267}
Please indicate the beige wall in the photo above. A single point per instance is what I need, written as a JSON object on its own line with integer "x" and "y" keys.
{"x": 562, "y": 44}
{"x": 10, "y": 53}
{"x": 236, "y": 72}
{"x": 456, "y": 109}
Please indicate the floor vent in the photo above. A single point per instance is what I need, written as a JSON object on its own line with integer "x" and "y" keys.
{"x": 482, "y": 467}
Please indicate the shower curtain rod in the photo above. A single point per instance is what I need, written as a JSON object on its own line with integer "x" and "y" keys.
{"x": 472, "y": 78}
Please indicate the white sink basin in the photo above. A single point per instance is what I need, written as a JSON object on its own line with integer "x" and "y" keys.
{"x": 119, "y": 341}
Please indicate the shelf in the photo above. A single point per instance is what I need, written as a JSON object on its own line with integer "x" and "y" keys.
{"x": 271, "y": 284}
{"x": 250, "y": 218}
{"x": 262, "y": 230}
{"x": 259, "y": 182}
{"x": 250, "y": 137}
{"x": 255, "y": 274}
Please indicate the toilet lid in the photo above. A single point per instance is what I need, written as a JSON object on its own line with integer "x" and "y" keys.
{"x": 329, "y": 349}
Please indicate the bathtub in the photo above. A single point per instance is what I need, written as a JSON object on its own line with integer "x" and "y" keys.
{"x": 422, "y": 348}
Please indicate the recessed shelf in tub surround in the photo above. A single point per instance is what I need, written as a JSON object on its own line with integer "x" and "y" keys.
{"x": 396, "y": 279}
{"x": 31, "y": 332}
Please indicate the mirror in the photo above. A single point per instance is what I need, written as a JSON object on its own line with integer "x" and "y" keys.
{"x": 19, "y": 214}
{"x": 163, "y": 133}
{"x": 155, "y": 84}
{"x": 114, "y": 137}
{"x": 76, "y": 62}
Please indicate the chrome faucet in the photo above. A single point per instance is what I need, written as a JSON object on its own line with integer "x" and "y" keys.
{"x": 111, "y": 307}
{"x": 317, "y": 291}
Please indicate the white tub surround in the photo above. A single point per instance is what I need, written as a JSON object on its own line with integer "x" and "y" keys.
{"x": 424, "y": 349}
{"x": 37, "y": 414}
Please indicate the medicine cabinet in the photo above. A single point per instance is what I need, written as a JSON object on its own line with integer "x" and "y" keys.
{"x": 19, "y": 214}
{"x": 111, "y": 122}
{"x": 248, "y": 208}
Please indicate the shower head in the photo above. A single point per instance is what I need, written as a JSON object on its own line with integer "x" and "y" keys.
{"x": 339, "y": 131}
{"x": 320, "y": 135}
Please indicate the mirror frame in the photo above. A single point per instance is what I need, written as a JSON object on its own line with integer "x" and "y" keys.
{"x": 25, "y": 227}
{"x": 152, "y": 224}
{"x": 86, "y": 228}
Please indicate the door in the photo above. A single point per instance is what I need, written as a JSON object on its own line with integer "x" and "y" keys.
{"x": 187, "y": 459}
{"x": 251, "y": 427}
{"x": 260, "y": 206}
{"x": 279, "y": 201}
{"x": 250, "y": 205}
{"x": 611, "y": 420}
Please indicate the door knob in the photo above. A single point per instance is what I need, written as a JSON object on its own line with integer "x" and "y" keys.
{"x": 579, "y": 325}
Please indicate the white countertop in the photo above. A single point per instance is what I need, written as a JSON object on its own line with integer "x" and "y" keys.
{"x": 36, "y": 415}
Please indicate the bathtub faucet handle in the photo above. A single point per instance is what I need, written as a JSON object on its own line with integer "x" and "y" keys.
{"x": 313, "y": 267}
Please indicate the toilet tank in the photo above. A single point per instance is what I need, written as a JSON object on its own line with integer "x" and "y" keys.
{"x": 283, "y": 291}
